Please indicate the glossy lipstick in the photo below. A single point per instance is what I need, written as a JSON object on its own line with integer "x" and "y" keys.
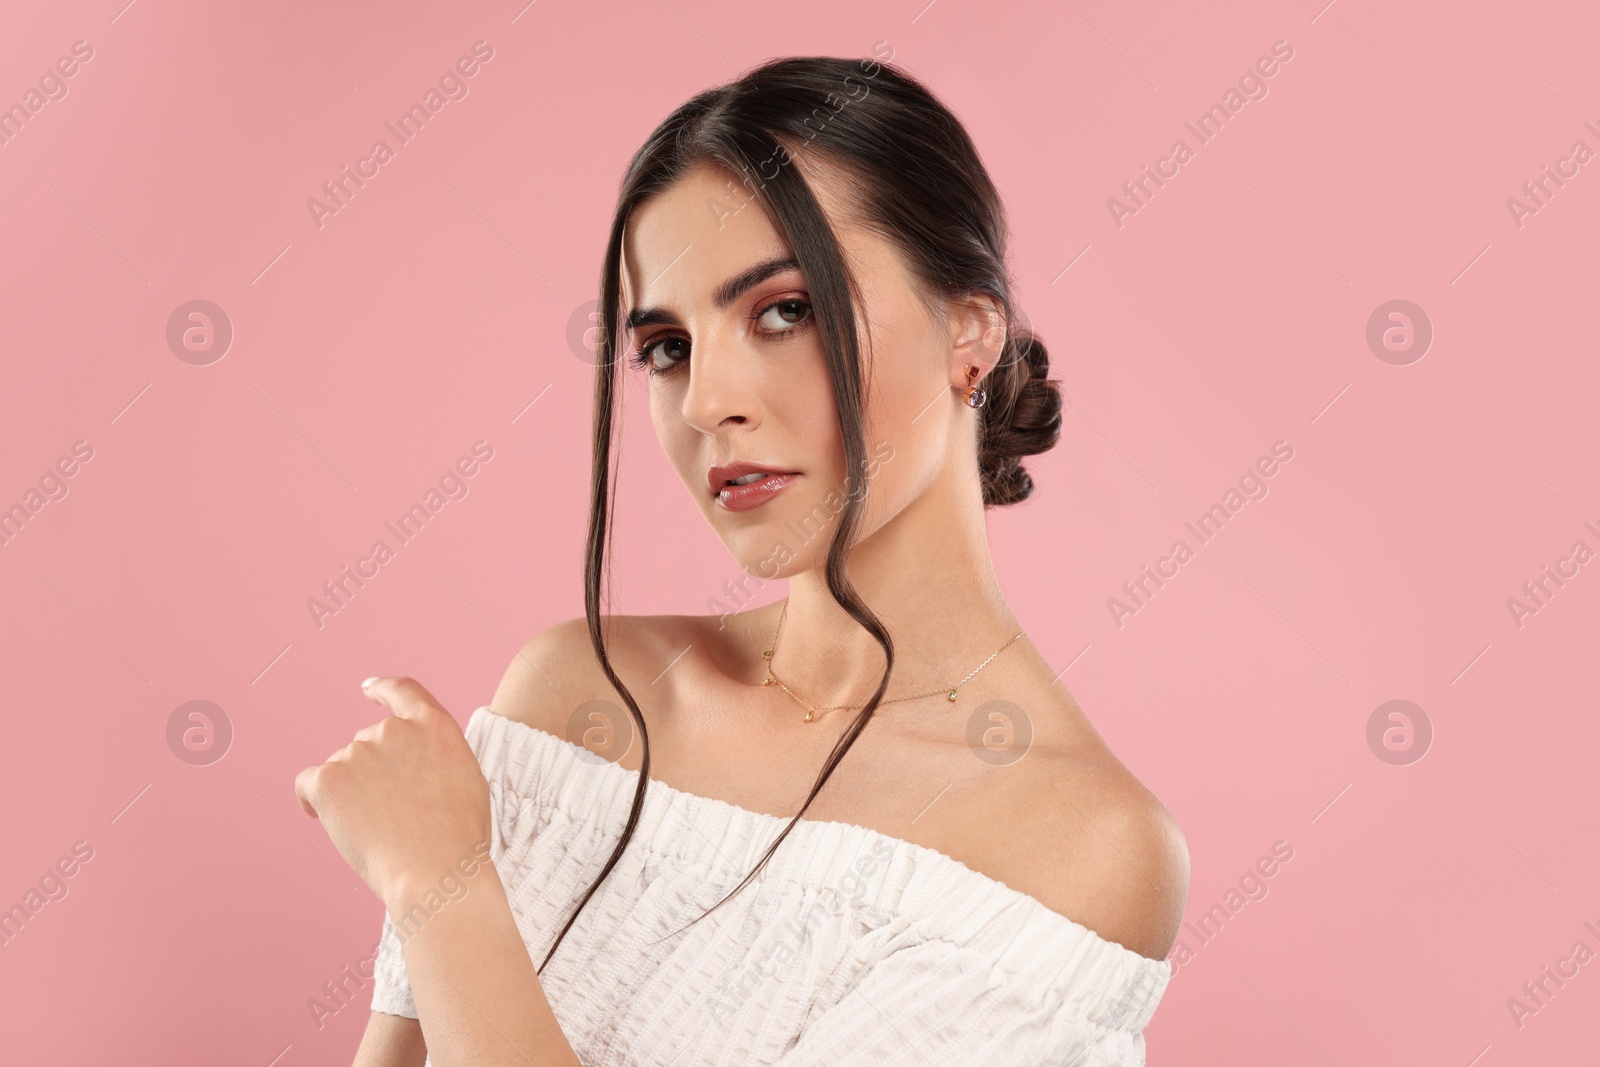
{"x": 770, "y": 483}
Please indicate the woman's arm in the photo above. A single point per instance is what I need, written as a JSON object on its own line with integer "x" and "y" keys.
{"x": 401, "y": 802}
{"x": 391, "y": 1041}
{"x": 478, "y": 998}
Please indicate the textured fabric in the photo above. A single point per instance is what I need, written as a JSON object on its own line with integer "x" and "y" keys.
{"x": 851, "y": 948}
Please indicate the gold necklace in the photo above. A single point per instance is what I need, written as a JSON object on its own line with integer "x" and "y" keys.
{"x": 772, "y": 678}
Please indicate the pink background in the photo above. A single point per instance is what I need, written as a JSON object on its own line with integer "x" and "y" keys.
{"x": 431, "y": 311}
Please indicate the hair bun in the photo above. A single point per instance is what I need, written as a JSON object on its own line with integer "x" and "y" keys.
{"x": 1022, "y": 418}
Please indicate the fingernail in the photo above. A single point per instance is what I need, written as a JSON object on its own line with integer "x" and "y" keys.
{"x": 369, "y": 681}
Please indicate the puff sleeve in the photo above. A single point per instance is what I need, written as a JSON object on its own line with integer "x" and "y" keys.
{"x": 391, "y": 986}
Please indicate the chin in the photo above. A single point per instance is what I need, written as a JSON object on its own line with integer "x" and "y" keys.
{"x": 782, "y": 538}
{"x": 775, "y": 549}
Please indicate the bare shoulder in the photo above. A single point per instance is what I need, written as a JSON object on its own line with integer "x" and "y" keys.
{"x": 553, "y": 671}
{"x": 1114, "y": 858}
{"x": 557, "y": 671}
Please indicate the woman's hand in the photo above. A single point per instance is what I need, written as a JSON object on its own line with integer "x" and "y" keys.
{"x": 405, "y": 801}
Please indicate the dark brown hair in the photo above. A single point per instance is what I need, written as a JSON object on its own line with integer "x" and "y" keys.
{"x": 915, "y": 178}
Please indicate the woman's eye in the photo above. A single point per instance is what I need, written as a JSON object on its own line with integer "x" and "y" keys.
{"x": 778, "y": 320}
{"x": 657, "y": 356}
{"x": 784, "y": 315}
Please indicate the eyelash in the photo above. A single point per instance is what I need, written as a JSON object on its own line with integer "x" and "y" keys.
{"x": 641, "y": 358}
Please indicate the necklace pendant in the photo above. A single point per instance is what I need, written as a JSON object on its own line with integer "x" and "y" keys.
{"x": 766, "y": 681}
{"x": 808, "y": 716}
{"x": 952, "y": 694}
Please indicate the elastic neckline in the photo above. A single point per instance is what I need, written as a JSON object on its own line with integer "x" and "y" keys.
{"x": 946, "y": 899}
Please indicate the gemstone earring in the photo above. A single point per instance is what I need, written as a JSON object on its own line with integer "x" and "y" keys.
{"x": 975, "y": 397}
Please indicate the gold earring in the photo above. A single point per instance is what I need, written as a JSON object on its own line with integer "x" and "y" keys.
{"x": 975, "y": 397}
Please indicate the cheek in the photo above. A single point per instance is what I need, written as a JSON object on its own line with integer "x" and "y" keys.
{"x": 677, "y": 438}
{"x": 805, "y": 407}
{"x": 907, "y": 406}
{"x": 908, "y": 418}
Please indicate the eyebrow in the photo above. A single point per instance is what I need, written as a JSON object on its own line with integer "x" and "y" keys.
{"x": 724, "y": 295}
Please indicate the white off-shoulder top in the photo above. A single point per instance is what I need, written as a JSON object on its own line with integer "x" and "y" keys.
{"x": 851, "y": 947}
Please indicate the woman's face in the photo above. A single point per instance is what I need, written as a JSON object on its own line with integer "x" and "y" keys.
{"x": 738, "y": 371}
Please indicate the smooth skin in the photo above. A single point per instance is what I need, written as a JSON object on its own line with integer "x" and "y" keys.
{"x": 1066, "y": 823}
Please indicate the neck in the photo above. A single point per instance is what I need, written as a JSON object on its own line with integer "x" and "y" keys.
{"x": 928, "y": 577}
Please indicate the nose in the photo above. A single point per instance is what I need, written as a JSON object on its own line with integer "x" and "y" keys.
{"x": 721, "y": 390}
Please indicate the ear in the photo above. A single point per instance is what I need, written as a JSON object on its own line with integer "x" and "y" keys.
{"x": 978, "y": 335}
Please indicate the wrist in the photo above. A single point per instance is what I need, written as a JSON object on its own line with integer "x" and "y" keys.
{"x": 424, "y": 888}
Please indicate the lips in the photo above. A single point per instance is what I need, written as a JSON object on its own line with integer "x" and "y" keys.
{"x": 769, "y": 482}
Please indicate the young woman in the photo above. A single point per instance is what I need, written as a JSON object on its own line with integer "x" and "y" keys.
{"x": 861, "y": 824}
